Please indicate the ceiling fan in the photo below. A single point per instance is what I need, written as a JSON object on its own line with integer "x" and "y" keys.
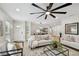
{"x": 49, "y": 11}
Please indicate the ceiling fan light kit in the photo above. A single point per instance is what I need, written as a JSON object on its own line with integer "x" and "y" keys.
{"x": 49, "y": 11}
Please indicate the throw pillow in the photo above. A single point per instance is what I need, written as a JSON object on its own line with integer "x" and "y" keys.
{"x": 77, "y": 39}
{"x": 47, "y": 38}
{"x": 72, "y": 39}
{"x": 37, "y": 37}
{"x": 44, "y": 37}
{"x": 17, "y": 45}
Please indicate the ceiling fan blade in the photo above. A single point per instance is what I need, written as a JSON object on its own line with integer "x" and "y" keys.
{"x": 50, "y": 5}
{"x": 47, "y": 8}
{"x": 59, "y": 12}
{"x": 38, "y": 6}
{"x": 41, "y": 15}
{"x": 62, "y": 6}
{"x": 46, "y": 17}
{"x": 53, "y": 16}
{"x": 36, "y": 13}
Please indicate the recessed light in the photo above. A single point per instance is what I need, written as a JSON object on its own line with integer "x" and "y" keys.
{"x": 17, "y": 9}
{"x": 17, "y": 26}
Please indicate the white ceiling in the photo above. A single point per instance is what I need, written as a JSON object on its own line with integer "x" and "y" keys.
{"x": 26, "y": 8}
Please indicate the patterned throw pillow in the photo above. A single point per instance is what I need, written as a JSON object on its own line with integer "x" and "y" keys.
{"x": 17, "y": 45}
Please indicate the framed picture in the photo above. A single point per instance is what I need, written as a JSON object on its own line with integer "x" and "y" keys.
{"x": 72, "y": 28}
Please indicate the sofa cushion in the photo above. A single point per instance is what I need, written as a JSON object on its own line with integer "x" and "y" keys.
{"x": 77, "y": 39}
{"x": 37, "y": 37}
{"x": 44, "y": 42}
{"x": 45, "y": 37}
{"x": 72, "y": 39}
{"x": 68, "y": 38}
{"x": 71, "y": 44}
{"x": 34, "y": 44}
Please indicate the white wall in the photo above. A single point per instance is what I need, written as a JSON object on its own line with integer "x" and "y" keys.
{"x": 5, "y": 17}
{"x": 19, "y": 30}
{"x": 37, "y": 26}
{"x": 61, "y": 28}
{"x": 34, "y": 27}
{"x": 27, "y": 30}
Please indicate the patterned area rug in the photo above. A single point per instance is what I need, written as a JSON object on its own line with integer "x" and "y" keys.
{"x": 39, "y": 51}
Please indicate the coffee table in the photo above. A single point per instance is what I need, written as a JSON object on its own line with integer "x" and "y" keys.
{"x": 60, "y": 51}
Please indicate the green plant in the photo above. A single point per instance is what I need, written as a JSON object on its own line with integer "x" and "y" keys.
{"x": 56, "y": 44}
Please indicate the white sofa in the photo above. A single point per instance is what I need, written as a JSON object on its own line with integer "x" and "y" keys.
{"x": 38, "y": 40}
{"x": 70, "y": 41}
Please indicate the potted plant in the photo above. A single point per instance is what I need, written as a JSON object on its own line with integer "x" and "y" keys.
{"x": 56, "y": 44}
